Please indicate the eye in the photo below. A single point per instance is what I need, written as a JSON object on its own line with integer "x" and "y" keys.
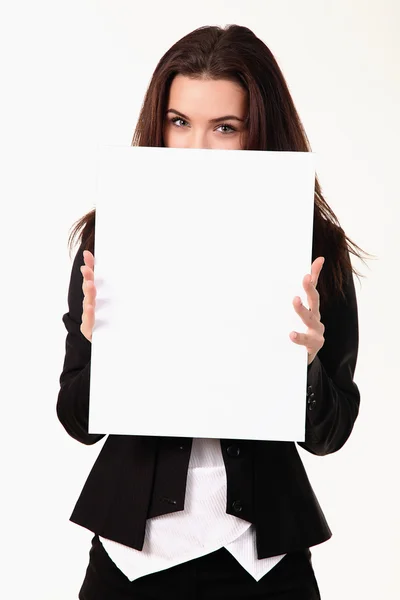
{"x": 229, "y": 127}
{"x": 175, "y": 120}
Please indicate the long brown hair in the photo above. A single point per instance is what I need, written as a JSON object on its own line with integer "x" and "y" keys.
{"x": 235, "y": 53}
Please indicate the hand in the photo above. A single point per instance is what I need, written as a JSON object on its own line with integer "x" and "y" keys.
{"x": 89, "y": 291}
{"x": 314, "y": 339}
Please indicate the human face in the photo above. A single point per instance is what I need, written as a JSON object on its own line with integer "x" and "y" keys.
{"x": 204, "y": 113}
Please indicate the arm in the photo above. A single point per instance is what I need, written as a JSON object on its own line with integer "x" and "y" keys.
{"x": 332, "y": 396}
{"x": 73, "y": 397}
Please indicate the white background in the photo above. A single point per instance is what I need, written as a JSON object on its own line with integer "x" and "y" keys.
{"x": 73, "y": 76}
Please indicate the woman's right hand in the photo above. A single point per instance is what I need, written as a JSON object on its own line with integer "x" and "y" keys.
{"x": 89, "y": 291}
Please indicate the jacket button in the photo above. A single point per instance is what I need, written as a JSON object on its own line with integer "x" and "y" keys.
{"x": 309, "y": 389}
{"x": 168, "y": 500}
{"x": 233, "y": 450}
{"x": 311, "y": 402}
{"x": 237, "y": 506}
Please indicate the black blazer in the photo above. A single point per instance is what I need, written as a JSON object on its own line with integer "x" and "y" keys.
{"x": 138, "y": 477}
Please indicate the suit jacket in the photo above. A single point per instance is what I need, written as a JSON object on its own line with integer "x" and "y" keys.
{"x": 138, "y": 477}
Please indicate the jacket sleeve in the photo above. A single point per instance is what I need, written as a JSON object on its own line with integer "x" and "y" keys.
{"x": 333, "y": 398}
{"x": 73, "y": 397}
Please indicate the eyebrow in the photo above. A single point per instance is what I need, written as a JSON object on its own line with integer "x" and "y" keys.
{"x": 218, "y": 120}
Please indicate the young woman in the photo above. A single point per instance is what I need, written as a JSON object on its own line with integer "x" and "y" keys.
{"x": 203, "y": 518}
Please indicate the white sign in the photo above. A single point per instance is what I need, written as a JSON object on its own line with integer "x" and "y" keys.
{"x": 198, "y": 256}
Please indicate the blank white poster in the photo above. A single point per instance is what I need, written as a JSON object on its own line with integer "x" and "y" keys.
{"x": 198, "y": 256}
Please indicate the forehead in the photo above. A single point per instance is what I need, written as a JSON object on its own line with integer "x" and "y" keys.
{"x": 208, "y": 97}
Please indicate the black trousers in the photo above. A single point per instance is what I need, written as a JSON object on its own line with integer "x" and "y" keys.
{"x": 215, "y": 576}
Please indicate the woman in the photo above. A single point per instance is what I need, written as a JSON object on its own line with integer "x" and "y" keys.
{"x": 179, "y": 518}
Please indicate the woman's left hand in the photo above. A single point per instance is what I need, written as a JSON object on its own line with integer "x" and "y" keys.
{"x": 314, "y": 339}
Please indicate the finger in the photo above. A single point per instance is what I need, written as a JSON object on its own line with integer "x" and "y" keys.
{"x": 312, "y": 295}
{"x": 301, "y": 339}
{"x": 90, "y": 293}
{"x": 311, "y": 318}
{"x": 89, "y": 288}
{"x": 316, "y": 268}
{"x": 87, "y": 322}
{"x": 313, "y": 342}
{"x": 88, "y": 258}
{"x": 87, "y": 272}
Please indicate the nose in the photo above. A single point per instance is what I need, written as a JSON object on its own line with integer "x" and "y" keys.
{"x": 198, "y": 139}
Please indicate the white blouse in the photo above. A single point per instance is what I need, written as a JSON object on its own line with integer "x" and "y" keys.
{"x": 202, "y": 527}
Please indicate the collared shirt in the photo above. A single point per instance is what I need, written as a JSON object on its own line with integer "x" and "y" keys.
{"x": 202, "y": 527}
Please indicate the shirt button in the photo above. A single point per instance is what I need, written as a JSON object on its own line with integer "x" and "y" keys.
{"x": 237, "y": 506}
{"x": 233, "y": 450}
